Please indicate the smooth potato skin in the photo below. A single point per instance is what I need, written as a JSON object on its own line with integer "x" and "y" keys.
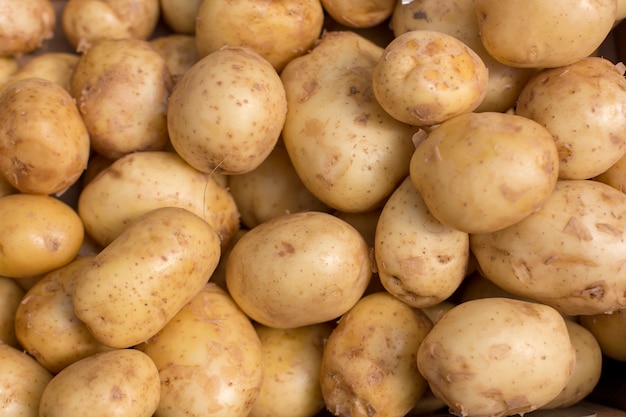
{"x": 10, "y": 297}
{"x": 25, "y": 25}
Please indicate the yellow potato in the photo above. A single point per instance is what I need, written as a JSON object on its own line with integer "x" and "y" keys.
{"x": 359, "y": 14}
{"x": 180, "y": 16}
{"x": 53, "y": 66}
{"x": 135, "y": 285}
{"x": 610, "y": 332}
{"x": 25, "y": 25}
{"x": 615, "y": 175}
{"x": 10, "y": 297}
{"x": 8, "y": 67}
{"x": 179, "y": 52}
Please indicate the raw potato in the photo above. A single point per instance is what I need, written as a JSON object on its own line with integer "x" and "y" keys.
{"x": 226, "y": 113}
{"x": 298, "y": 269}
{"x": 359, "y": 14}
{"x": 23, "y": 381}
{"x": 53, "y": 66}
{"x": 135, "y": 285}
{"x": 482, "y": 172}
{"x": 569, "y": 254}
{"x": 209, "y": 359}
{"x": 497, "y": 357}
{"x": 582, "y": 105}
{"x": 180, "y": 16}
{"x": 10, "y": 296}
{"x": 179, "y": 52}
{"x": 44, "y": 143}
{"x": 120, "y": 382}
{"x": 37, "y": 227}
{"x": 442, "y": 78}
{"x": 25, "y": 25}
{"x": 610, "y": 332}
{"x": 346, "y": 149}
{"x": 555, "y": 33}
{"x": 419, "y": 260}
{"x": 121, "y": 88}
{"x": 615, "y": 176}
{"x": 369, "y": 365}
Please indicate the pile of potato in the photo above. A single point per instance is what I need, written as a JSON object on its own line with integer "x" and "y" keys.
{"x": 287, "y": 208}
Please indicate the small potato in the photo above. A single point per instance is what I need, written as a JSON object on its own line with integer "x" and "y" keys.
{"x": 610, "y": 332}
{"x": 179, "y": 52}
{"x": 369, "y": 364}
{"x": 442, "y": 78}
{"x": 10, "y": 296}
{"x": 120, "y": 382}
{"x": 298, "y": 269}
{"x": 37, "y": 235}
{"x": 359, "y": 14}
{"x": 44, "y": 143}
{"x": 180, "y": 16}
{"x": 8, "y": 67}
{"x": 135, "y": 285}
{"x": 52, "y": 66}
{"x": 25, "y": 25}
{"x": 615, "y": 175}
{"x": 23, "y": 381}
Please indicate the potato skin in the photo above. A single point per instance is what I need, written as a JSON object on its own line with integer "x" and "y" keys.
{"x": 10, "y": 297}
{"x": 24, "y": 25}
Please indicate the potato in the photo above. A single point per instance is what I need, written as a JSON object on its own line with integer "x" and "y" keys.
{"x": 346, "y": 149}
{"x": 226, "y": 113}
{"x": 555, "y": 33}
{"x": 362, "y": 14}
{"x": 443, "y": 78}
{"x": 292, "y": 360}
{"x": 298, "y": 269}
{"x": 209, "y": 359}
{"x": 180, "y": 17}
{"x": 37, "y": 227}
{"x": 369, "y": 364}
{"x": 23, "y": 381}
{"x": 615, "y": 175}
{"x": 136, "y": 284}
{"x": 44, "y": 143}
{"x": 25, "y": 25}
{"x": 53, "y": 66}
{"x": 121, "y": 88}
{"x": 45, "y": 323}
{"x": 278, "y": 30}
{"x": 582, "y": 105}
{"x": 142, "y": 181}
{"x": 8, "y": 67}
{"x": 179, "y": 52}
{"x": 84, "y": 22}
{"x": 10, "y": 296}
{"x": 609, "y": 331}
{"x": 120, "y": 382}
{"x": 497, "y": 357}
{"x": 419, "y": 260}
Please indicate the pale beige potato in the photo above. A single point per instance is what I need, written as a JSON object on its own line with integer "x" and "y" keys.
{"x": 477, "y": 286}
{"x": 615, "y": 175}
{"x": 45, "y": 323}
{"x": 137, "y": 283}
{"x": 298, "y": 269}
{"x": 10, "y": 297}
{"x": 419, "y": 260}
{"x": 44, "y": 143}
{"x": 37, "y": 235}
{"x": 347, "y": 150}
{"x": 25, "y": 25}
{"x": 497, "y": 357}
{"x": 568, "y": 254}
{"x": 365, "y": 222}
{"x": 178, "y": 50}
{"x": 540, "y": 34}
{"x": 270, "y": 190}
{"x": 142, "y": 181}
{"x": 84, "y": 22}
{"x": 425, "y": 77}
{"x": 209, "y": 358}
{"x": 359, "y": 14}
{"x": 180, "y": 16}
{"x": 53, "y": 66}
{"x": 609, "y": 331}
{"x": 121, "y": 87}
{"x": 277, "y": 30}
{"x": 582, "y": 106}
{"x": 23, "y": 381}
{"x": 369, "y": 364}
{"x": 621, "y": 10}
{"x": 120, "y": 382}
{"x": 226, "y": 113}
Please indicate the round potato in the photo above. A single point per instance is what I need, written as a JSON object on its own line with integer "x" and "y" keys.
{"x": 179, "y": 52}
{"x": 25, "y": 25}
{"x": 298, "y": 269}
{"x": 10, "y": 297}
{"x": 120, "y": 382}
{"x": 609, "y": 331}
{"x": 226, "y": 113}
{"x": 8, "y": 67}
{"x": 180, "y": 16}
{"x": 359, "y": 14}
{"x": 53, "y": 66}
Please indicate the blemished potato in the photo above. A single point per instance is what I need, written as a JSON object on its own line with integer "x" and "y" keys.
{"x": 142, "y": 181}
{"x": 180, "y": 16}
{"x": 609, "y": 331}
{"x": 442, "y": 78}
{"x": 45, "y": 323}
{"x": 10, "y": 297}
{"x": 568, "y": 254}
{"x": 278, "y": 30}
{"x": 582, "y": 106}
{"x": 25, "y": 25}
{"x": 37, "y": 227}
{"x": 346, "y": 149}
{"x": 369, "y": 364}
{"x": 292, "y": 359}
{"x": 226, "y": 113}
{"x": 23, "y": 381}
{"x": 298, "y": 269}
{"x": 179, "y": 52}
{"x": 137, "y": 283}
{"x": 555, "y": 33}
{"x": 121, "y": 87}
{"x": 85, "y": 22}
{"x": 497, "y": 357}
{"x": 44, "y": 143}
{"x": 53, "y": 66}
{"x": 359, "y": 14}
{"x": 419, "y": 260}
{"x": 209, "y": 359}
{"x": 481, "y": 172}
{"x": 120, "y": 382}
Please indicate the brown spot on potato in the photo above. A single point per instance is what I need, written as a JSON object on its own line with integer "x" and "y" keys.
{"x": 576, "y": 228}
{"x": 499, "y": 351}
{"x": 52, "y": 244}
{"x": 610, "y": 229}
{"x": 287, "y": 249}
